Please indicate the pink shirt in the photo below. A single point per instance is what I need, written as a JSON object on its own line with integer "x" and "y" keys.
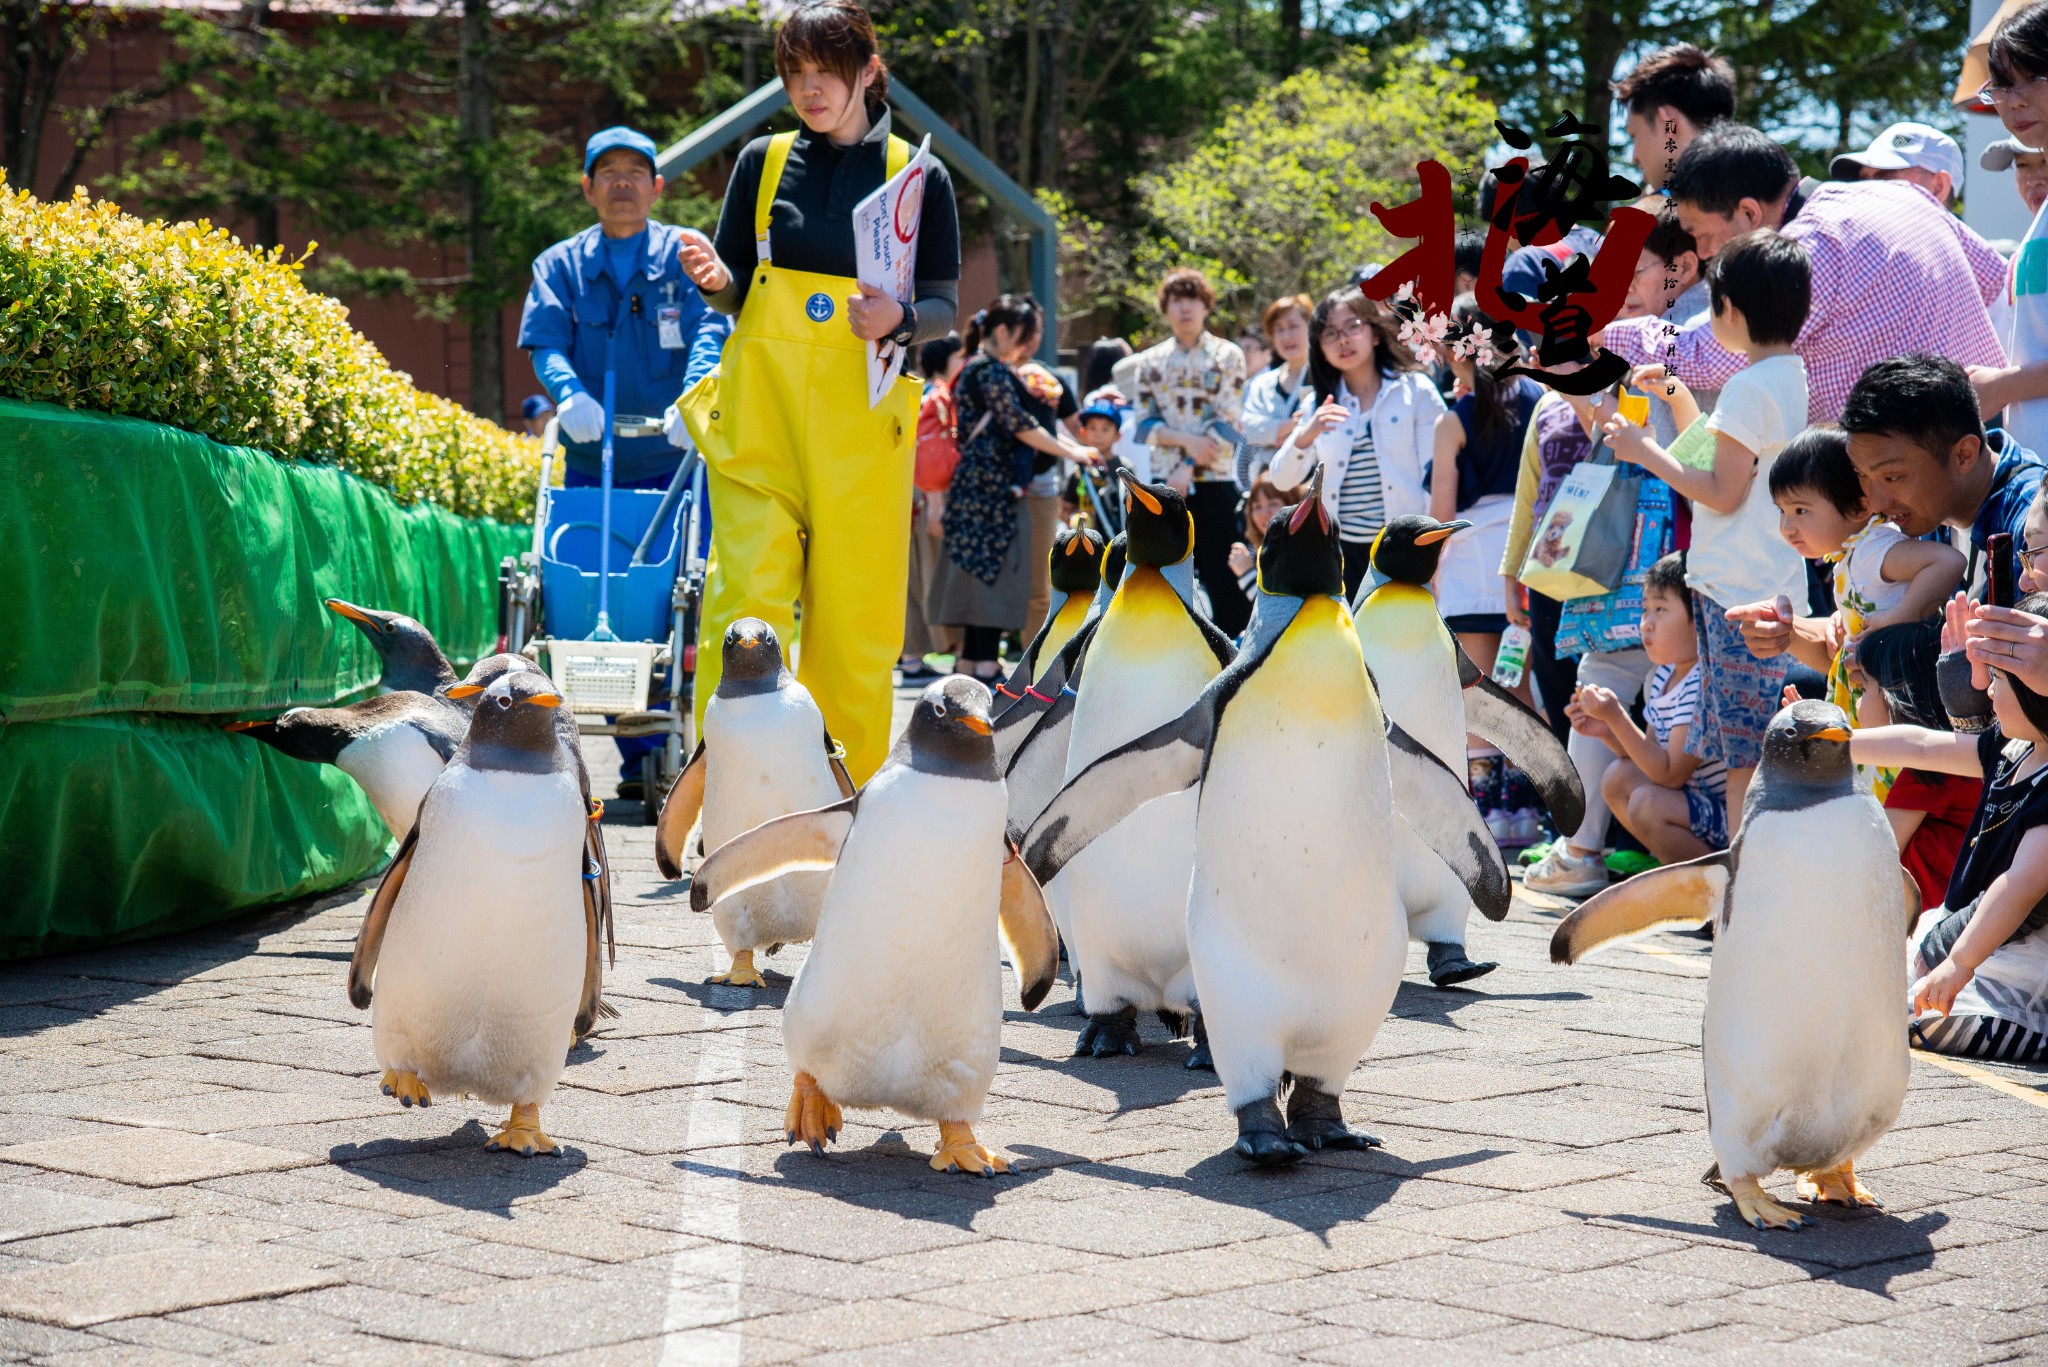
{"x": 1893, "y": 272}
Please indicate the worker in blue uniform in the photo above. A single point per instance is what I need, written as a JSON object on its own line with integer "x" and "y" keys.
{"x": 621, "y": 273}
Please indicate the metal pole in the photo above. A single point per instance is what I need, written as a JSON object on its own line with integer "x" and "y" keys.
{"x": 603, "y": 632}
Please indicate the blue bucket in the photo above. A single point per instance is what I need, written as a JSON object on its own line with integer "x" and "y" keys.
{"x": 640, "y": 595}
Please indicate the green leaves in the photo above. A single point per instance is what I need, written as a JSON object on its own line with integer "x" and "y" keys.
{"x": 180, "y": 324}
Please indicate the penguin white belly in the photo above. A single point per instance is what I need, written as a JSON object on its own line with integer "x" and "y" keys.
{"x": 1805, "y": 1036}
{"x": 1127, "y": 894}
{"x": 765, "y": 757}
{"x": 1293, "y": 926}
{"x": 481, "y": 969}
{"x": 900, "y": 1001}
{"x": 1415, "y": 669}
{"x": 395, "y": 765}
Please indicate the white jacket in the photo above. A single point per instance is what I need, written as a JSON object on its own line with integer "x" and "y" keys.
{"x": 1403, "y": 421}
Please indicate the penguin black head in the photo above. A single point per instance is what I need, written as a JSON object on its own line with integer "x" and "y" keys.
{"x": 1158, "y": 529}
{"x": 752, "y": 659}
{"x": 1301, "y": 556}
{"x": 1115, "y": 560}
{"x": 1408, "y": 548}
{"x": 951, "y": 731}
{"x": 1805, "y": 757}
{"x": 413, "y": 661}
{"x": 1077, "y": 561}
{"x": 482, "y": 675}
{"x": 514, "y": 724}
{"x": 303, "y": 733}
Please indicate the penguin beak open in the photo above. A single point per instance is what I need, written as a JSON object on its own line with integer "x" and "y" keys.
{"x": 1836, "y": 733}
{"x": 1436, "y": 534}
{"x": 978, "y": 725}
{"x": 354, "y": 614}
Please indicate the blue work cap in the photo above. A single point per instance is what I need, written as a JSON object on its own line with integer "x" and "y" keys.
{"x": 1100, "y": 410}
{"x": 631, "y": 139}
{"x": 535, "y": 405}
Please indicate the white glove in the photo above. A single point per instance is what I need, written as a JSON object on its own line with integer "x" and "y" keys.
{"x": 581, "y": 418}
{"x": 673, "y": 427}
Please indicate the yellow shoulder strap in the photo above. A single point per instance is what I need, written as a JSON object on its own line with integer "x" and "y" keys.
{"x": 764, "y": 196}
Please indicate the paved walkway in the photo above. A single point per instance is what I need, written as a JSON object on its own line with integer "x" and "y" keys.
{"x": 198, "y": 1167}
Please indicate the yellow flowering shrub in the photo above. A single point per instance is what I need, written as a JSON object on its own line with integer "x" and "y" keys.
{"x": 180, "y": 324}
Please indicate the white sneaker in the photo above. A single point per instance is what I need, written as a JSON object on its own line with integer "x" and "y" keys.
{"x": 1501, "y": 827}
{"x": 1563, "y": 874}
{"x": 1525, "y": 827}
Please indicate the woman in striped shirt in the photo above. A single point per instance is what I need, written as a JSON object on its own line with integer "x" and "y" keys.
{"x": 1372, "y": 428}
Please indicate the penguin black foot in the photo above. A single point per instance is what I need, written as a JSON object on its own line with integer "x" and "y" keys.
{"x": 1448, "y": 965}
{"x": 1113, "y": 1032}
{"x": 1262, "y": 1135}
{"x": 1201, "y": 1058}
{"x": 1176, "y": 1024}
{"x": 1315, "y": 1120}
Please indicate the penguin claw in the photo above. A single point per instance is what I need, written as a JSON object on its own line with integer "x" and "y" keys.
{"x": 1837, "y": 1186}
{"x": 742, "y": 973}
{"x": 406, "y": 1087}
{"x": 1109, "y": 1034}
{"x": 811, "y": 1118}
{"x": 959, "y": 1151}
{"x": 1758, "y": 1210}
{"x": 522, "y": 1135}
{"x": 1268, "y": 1149}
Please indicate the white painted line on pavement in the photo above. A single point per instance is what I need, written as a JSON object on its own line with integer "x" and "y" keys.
{"x": 704, "y": 1278}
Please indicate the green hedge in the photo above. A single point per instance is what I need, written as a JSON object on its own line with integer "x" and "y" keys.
{"x": 180, "y": 324}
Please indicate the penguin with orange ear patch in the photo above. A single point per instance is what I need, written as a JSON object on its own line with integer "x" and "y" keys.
{"x": 479, "y": 956}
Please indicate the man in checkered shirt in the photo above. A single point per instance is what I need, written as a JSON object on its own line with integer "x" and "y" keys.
{"x": 1893, "y": 271}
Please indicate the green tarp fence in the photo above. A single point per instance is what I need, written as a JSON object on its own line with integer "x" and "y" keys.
{"x": 152, "y": 585}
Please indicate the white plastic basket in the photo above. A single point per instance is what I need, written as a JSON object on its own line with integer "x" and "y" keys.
{"x": 603, "y": 677}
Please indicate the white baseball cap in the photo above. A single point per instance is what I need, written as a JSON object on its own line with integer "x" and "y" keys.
{"x": 1900, "y": 146}
{"x": 2000, "y": 155}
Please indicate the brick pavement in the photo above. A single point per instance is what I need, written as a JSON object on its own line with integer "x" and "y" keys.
{"x": 198, "y": 1167}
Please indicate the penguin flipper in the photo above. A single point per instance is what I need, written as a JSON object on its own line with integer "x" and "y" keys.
{"x": 679, "y": 813}
{"x": 1437, "y": 806}
{"x": 1040, "y": 765}
{"x": 1014, "y": 724}
{"x": 1687, "y": 894}
{"x": 1027, "y": 930}
{"x": 362, "y": 964}
{"x": 1166, "y": 759}
{"x": 798, "y": 843}
{"x": 1503, "y": 720}
{"x": 597, "y": 924}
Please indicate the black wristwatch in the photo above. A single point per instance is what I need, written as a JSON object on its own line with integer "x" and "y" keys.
{"x": 906, "y": 329}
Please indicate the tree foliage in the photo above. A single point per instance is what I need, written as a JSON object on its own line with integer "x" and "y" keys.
{"x": 1276, "y": 199}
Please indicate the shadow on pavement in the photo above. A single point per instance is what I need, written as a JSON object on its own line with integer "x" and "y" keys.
{"x": 457, "y": 1171}
{"x": 727, "y": 1000}
{"x": 1863, "y": 1248}
{"x": 1438, "y": 1005}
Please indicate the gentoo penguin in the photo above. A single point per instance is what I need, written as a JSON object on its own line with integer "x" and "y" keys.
{"x": 412, "y": 659}
{"x": 900, "y": 1001}
{"x": 1122, "y": 904}
{"x": 478, "y": 957}
{"x": 393, "y": 744}
{"x": 1295, "y": 932}
{"x": 765, "y": 753}
{"x": 1805, "y": 1040}
{"x": 1076, "y": 571}
{"x": 1429, "y": 686}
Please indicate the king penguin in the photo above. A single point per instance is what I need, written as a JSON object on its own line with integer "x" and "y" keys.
{"x": 765, "y": 753}
{"x": 1804, "y": 1041}
{"x": 479, "y": 956}
{"x": 1076, "y": 572}
{"x": 1122, "y": 904}
{"x": 1429, "y": 686}
{"x": 899, "y": 1003}
{"x": 1294, "y": 929}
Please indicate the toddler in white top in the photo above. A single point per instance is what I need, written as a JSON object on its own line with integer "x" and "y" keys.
{"x": 1882, "y": 577}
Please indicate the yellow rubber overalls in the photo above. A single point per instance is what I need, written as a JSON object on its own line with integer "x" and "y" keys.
{"x": 810, "y": 489}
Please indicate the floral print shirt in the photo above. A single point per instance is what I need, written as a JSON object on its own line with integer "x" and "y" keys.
{"x": 1197, "y": 389}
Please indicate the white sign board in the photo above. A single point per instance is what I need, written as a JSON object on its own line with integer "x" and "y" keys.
{"x": 885, "y": 253}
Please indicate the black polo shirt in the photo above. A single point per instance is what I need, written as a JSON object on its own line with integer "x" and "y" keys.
{"x": 811, "y": 223}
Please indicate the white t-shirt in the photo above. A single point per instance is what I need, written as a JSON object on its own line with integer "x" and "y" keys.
{"x": 2024, "y": 329}
{"x": 1739, "y": 557}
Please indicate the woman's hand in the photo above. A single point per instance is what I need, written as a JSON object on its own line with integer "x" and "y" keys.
{"x": 2011, "y": 640}
{"x": 1518, "y": 615}
{"x": 1240, "y": 558}
{"x": 935, "y": 513}
{"x": 1182, "y": 478}
{"x": 699, "y": 260}
{"x": 1628, "y": 441}
{"x": 1938, "y": 990}
{"x": 1657, "y": 379}
{"x": 872, "y": 314}
{"x": 1077, "y": 452}
{"x": 1329, "y": 416}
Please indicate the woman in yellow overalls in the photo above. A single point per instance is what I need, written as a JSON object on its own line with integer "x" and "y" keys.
{"x": 810, "y": 487}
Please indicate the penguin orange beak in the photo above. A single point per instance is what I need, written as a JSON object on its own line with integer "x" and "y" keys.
{"x": 1139, "y": 492}
{"x": 1830, "y": 733}
{"x": 1436, "y": 534}
{"x": 545, "y": 700}
{"x": 353, "y": 613}
{"x": 464, "y": 690}
{"x": 245, "y": 725}
{"x": 978, "y": 726}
